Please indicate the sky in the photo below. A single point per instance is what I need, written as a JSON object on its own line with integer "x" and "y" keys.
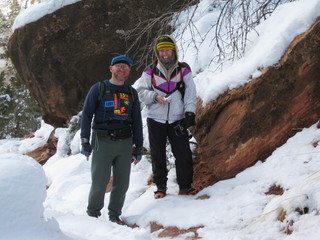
{"x": 49, "y": 202}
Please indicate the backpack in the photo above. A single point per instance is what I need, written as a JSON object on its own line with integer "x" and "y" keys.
{"x": 180, "y": 84}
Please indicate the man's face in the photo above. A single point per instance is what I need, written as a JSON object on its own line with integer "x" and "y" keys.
{"x": 120, "y": 71}
{"x": 166, "y": 55}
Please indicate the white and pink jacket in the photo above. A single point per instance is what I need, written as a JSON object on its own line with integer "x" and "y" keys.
{"x": 155, "y": 80}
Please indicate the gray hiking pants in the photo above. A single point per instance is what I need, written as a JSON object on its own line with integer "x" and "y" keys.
{"x": 109, "y": 154}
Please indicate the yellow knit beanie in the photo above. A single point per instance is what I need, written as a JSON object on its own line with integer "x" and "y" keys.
{"x": 165, "y": 42}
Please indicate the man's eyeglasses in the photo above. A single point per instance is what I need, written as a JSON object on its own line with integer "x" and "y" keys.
{"x": 122, "y": 66}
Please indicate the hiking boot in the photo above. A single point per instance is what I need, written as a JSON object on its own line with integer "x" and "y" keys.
{"x": 159, "y": 194}
{"x": 161, "y": 191}
{"x": 116, "y": 220}
{"x": 188, "y": 191}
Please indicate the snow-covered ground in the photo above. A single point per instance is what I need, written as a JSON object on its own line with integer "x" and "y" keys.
{"x": 235, "y": 209}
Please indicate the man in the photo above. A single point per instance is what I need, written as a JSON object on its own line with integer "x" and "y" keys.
{"x": 117, "y": 125}
{"x": 168, "y": 90}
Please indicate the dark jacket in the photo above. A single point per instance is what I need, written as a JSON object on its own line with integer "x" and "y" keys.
{"x": 118, "y": 108}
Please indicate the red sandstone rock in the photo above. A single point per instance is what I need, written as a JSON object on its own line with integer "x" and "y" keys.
{"x": 246, "y": 125}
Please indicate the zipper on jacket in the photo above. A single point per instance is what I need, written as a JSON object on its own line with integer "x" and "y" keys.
{"x": 168, "y": 81}
{"x": 168, "y": 113}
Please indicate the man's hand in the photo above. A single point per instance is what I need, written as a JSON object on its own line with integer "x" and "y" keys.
{"x": 137, "y": 154}
{"x": 86, "y": 149}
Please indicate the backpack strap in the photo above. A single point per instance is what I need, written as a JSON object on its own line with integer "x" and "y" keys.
{"x": 102, "y": 88}
{"x": 181, "y": 84}
{"x": 184, "y": 64}
{"x": 154, "y": 69}
{"x": 131, "y": 93}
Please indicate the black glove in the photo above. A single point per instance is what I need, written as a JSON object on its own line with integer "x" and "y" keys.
{"x": 86, "y": 149}
{"x": 189, "y": 119}
{"x": 137, "y": 153}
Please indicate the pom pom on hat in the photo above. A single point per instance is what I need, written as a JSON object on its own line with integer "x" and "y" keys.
{"x": 165, "y": 42}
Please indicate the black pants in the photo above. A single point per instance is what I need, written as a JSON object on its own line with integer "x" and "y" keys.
{"x": 158, "y": 133}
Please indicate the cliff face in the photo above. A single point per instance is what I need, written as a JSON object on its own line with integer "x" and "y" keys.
{"x": 62, "y": 54}
{"x": 246, "y": 125}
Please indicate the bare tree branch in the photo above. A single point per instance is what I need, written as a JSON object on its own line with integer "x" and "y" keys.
{"x": 229, "y": 32}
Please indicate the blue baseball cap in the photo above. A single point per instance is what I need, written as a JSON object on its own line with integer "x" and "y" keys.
{"x": 121, "y": 59}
